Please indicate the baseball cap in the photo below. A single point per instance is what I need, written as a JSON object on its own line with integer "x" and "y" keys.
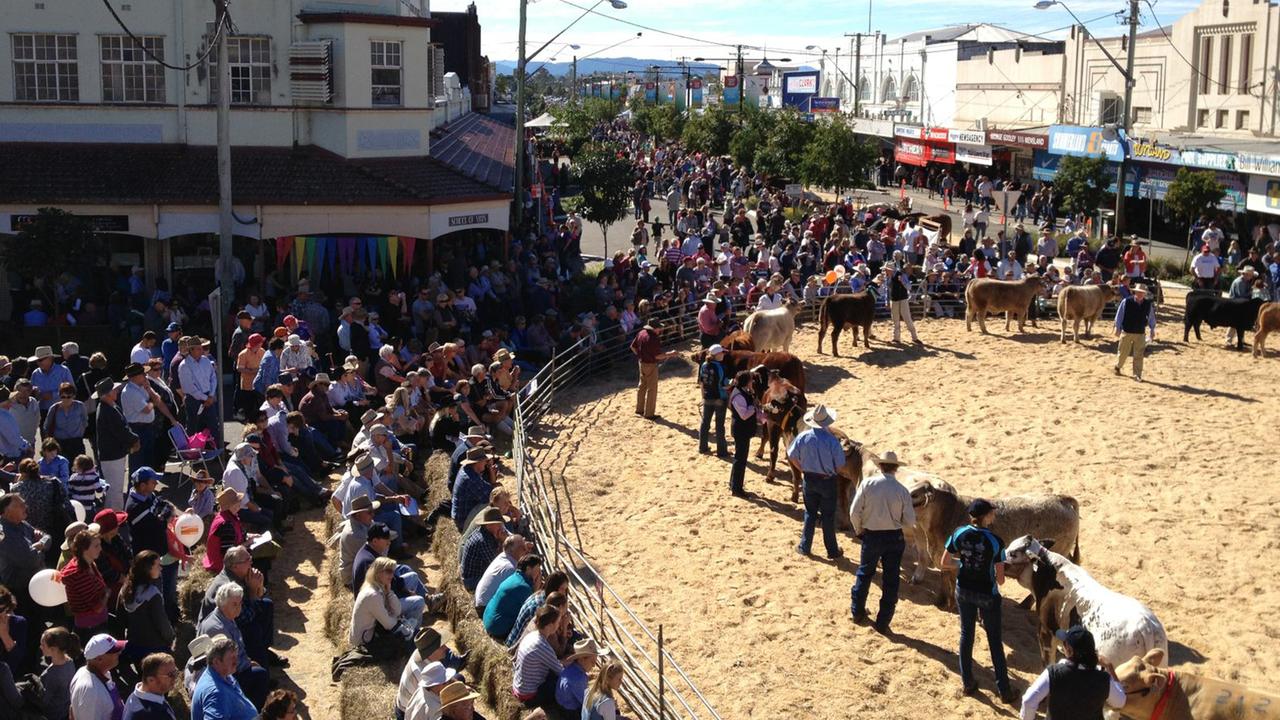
{"x": 980, "y": 507}
{"x": 102, "y": 644}
{"x": 379, "y": 531}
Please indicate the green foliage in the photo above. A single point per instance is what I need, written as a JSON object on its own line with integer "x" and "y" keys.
{"x": 785, "y": 145}
{"x": 834, "y": 157}
{"x": 710, "y": 131}
{"x": 605, "y": 179}
{"x": 1083, "y": 182}
{"x": 51, "y": 244}
{"x": 580, "y": 118}
{"x": 660, "y": 122}
{"x": 1193, "y": 192}
{"x": 754, "y": 127}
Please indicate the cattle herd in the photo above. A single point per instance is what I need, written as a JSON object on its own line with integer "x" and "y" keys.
{"x": 1045, "y": 556}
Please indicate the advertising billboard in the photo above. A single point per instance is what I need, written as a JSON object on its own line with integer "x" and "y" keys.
{"x": 798, "y": 88}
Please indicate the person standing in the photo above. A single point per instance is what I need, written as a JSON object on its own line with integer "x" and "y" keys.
{"x": 158, "y": 676}
{"x": 818, "y": 455}
{"x": 648, "y": 348}
{"x": 1080, "y": 685}
{"x": 978, "y": 554}
{"x": 881, "y": 509}
{"x": 1134, "y": 317}
{"x": 714, "y": 396}
{"x": 899, "y": 304}
{"x": 1206, "y": 267}
{"x": 113, "y": 443}
{"x": 198, "y": 380}
{"x": 709, "y": 326}
{"x": 93, "y": 688}
{"x": 745, "y": 412}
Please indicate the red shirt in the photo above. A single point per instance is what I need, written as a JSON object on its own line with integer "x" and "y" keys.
{"x": 86, "y": 590}
{"x": 647, "y": 346}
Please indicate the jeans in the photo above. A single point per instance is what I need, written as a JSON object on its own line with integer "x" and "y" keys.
{"x": 302, "y": 480}
{"x": 741, "y": 449}
{"x": 203, "y": 418}
{"x": 411, "y": 610}
{"x": 408, "y": 582}
{"x": 146, "y": 433}
{"x": 990, "y": 612}
{"x": 259, "y": 631}
{"x": 716, "y": 409}
{"x": 320, "y": 441}
{"x": 255, "y": 681}
{"x": 819, "y": 500}
{"x": 885, "y": 548}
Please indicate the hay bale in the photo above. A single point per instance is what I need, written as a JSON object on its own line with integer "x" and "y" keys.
{"x": 332, "y": 519}
{"x": 369, "y": 692}
{"x": 192, "y": 589}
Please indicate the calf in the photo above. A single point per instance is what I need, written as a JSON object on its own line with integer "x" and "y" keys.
{"x": 856, "y": 311}
{"x": 1053, "y": 610}
{"x": 1082, "y": 303}
{"x": 1268, "y": 322}
{"x": 1238, "y": 313}
{"x": 735, "y": 361}
{"x": 1122, "y": 626}
{"x": 940, "y": 510}
{"x": 1012, "y": 297}
{"x": 773, "y": 329}
{"x": 1153, "y": 692}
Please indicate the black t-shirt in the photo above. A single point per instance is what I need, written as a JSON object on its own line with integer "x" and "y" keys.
{"x": 978, "y": 550}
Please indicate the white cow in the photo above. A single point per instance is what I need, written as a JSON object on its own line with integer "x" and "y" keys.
{"x": 1122, "y": 627}
{"x": 773, "y": 329}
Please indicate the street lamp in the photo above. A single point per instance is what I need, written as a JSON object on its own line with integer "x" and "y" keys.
{"x": 520, "y": 89}
{"x": 1126, "y": 72}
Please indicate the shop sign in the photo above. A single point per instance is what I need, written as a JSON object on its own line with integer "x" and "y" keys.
{"x": 1155, "y": 181}
{"x": 1210, "y": 160}
{"x": 465, "y": 220}
{"x": 911, "y": 153}
{"x": 1019, "y": 139}
{"x": 100, "y": 223}
{"x": 1258, "y": 164}
{"x": 912, "y": 132}
{"x": 1264, "y": 194}
{"x": 969, "y": 137}
{"x": 976, "y": 154}
{"x": 824, "y": 105}
{"x": 1153, "y": 151}
{"x": 1084, "y": 142}
{"x": 871, "y": 126}
{"x": 937, "y": 135}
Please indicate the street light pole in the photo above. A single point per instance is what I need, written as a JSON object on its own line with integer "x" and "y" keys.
{"x": 225, "y": 280}
{"x": 520, "y": 90}
{"x": 1127, "y": 123}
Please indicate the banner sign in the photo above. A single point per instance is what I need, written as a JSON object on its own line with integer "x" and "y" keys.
{"x": 798, "y": 88}
{"x": 695, "y": 92}
{"x": 1155, "y": 180}
{"x": 976, "y": 154}
{"x": 1264, "y": 194}
{"x": 1258, "y": 164}
{"x": 914, "y": 152}
{"x": 1019, "y": 139}
{"x": 650, "y": 91}
{"x": 824, "y": 104}
{"x": 913, "y": 132}
{"x": 968, "y": 137}
{"x": 1083, "y": 142}
{"x": 872, "y": 126}
{"x": 732, "y": 93}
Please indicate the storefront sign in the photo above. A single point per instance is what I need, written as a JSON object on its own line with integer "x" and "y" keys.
{"x": 913, "y": 132}
{"x": 464, "y": 220}
{"x": 1150, "y": 151}
{"x": 937, "y": 134}
{"x": 976, "y": 154}
{"x": 824, "y": 105}
{"x": 1209, "y": 160}
{"x": 100, "y": 223}
{"x": 1155, "y": 179}
{"x": 1264, "y": 195}
{"x": 1018, "y": 139}
{"x": 1153, "y": 151}
{"x": 1083, "y": 142}
{"x": 969, "y": 137}
{"x": 913, "y": 152}
{"x": 870, "y": 126}
{"x": 1258, "y": 164}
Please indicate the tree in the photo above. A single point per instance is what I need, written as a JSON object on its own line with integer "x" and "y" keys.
{"x": 784, "y": 150}
{"x": 1192, "y": 193}
{"x": 1082, "y": 183}
{"x": 581, "y": 118}
{"x": 709, "y": 131}
{"x": 54, "y": 242}
{"x": 834, "y": 157}
{"x": 754, "y": 127}
{"x": 605, "y": 179}
{"x": 660, "y": 122}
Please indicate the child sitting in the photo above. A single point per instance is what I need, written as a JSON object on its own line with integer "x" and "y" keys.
{"x": 202, "y": 501}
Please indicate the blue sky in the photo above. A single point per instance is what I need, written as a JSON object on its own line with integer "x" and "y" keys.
{"x": 785, "y": 27}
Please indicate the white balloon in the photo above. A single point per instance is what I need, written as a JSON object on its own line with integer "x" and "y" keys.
{"x": 47, "y": 589}
{"x": 78, "y": 507}
{"x": 188, "y": 528}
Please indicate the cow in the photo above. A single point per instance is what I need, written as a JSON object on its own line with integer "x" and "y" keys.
{"x": 1152, "y": 691}
{"x": 940, "y": 510}
{"x": 856, "y": 310}
{"x": 739, "y": 340}
{"x": 1012, "y": 297}
{"x": 1122, "y": 626}
{"x": 735, "y": 361}
{"x": 1238, "y": 313}
{"x": 1083, "y": 303}
{"x": 773, "y": 329}
{"x": 1268, "y": 321}
{"x": 1052, "y": 607}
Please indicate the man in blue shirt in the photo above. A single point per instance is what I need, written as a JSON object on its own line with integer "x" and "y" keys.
{"x": 817, "y": 454}
{"x": 13, "y": 446}
{"x": 169, "y": 348}
{"x": 1134, "y": 317}
{"x": 472, "y": 487}
{"x": 978, "y": 555}
{"x": 48, "y": 377}
{"x": 715, "y": 392}
{"x": 500, "y": 614}
{"x": 571, "y": 689}
{"x": 218, "y": 696}
{"x": 269, "y": 368}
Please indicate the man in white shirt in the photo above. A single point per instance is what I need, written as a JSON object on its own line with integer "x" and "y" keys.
{"x": 425, "y": 702}
{"x": 1206, "y": 266}
{"x": 93, "y": 689}
{"x": 881, "y": 510}
{"x": 502, "y": 567}
{"x": 141, "y": 352}
{"x": 429, "y": 650}
{"x": 198, "y": 380}
{"x": 140, "y": 413}
{"x": 1009, "y": 268}
{"x": 1212, "y": 237}
{"x": 1048, "y": 245}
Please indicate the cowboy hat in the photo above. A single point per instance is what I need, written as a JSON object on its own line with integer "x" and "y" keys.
{"x": 321, "y": 379}
{"x": 437, "y": 674}
{"x": 820, "y": 416}
{"x": 42, "y": 352}
{"x": 427, "y": 641}
{"x": 199, "y": 647}
{"x": 105, "y": 387}
{"x": 454, "y": 693}
{"x": 475, "y": 455}
{"x": 229, "y": 494}
{"x": 503, "y": 355}
{"x": 369, "y": 416}
{"x": 889, "y": 458}
{"x": 364, "y": 462}
{"x": 363, "y": 504}
{"x": 586, "y": 647}
{"x": 491, "y": 516}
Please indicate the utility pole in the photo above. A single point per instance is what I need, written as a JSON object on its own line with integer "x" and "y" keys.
{"x": 742, "y": 86}
{"x": 225, "y": 281}
{"x": 573, "y": 82}
{"x": 520, "y": 90}
{"x": 856, "y": 49}
{"x": 1127, "y": 122}
{"x": 657, "y": 86}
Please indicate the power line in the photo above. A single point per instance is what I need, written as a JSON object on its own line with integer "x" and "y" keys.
{"x": 147, "y": 51}
{"x": 702, "y": 41}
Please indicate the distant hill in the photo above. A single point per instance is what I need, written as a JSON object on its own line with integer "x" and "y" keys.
{"x": 608, "y": 65}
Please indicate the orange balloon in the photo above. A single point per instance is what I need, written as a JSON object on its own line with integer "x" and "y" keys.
{"x": 831, "y": 277}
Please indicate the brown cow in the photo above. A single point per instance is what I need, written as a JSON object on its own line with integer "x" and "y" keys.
{"x": 739, "y": 340}
{"x": 856, "y": 310}
{"x": 1083, "y": 303}
{"x": 1184, "y": 696}
{"x": 735, "y": 361}
{"x": 1012, "y": 297}
{"x": 1268, "y": 321}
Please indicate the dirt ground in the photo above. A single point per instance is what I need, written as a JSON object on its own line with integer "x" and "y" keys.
{"x": 1173, "y": 476}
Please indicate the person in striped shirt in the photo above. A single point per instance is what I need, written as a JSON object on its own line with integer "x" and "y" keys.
{"x": 537, "y": 668}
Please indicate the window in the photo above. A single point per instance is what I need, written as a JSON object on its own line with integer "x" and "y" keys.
{"x": 1142, "y": 116}
{"x": 250, "y": 61}
{"x": 1246, "y": 62}
{"x": 385, "y": 61}
{"x": 129, "y": 74}
{"x": 1224, "y": 66}
{"x": 1242, "y": 119}
{"x": 45, "y": 68}
{"x": 890, "y": 93}
{"x": 1220, "y": 119}
{"x": 864, "y": 90}
{"x": 911, "y": 89}
{"x": 1202, "y": 118}
{"x": 1206, "y": 64}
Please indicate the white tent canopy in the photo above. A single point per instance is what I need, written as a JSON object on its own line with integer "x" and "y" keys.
{"x": 542, "y": 121}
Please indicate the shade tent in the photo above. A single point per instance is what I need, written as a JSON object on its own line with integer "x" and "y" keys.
{"x": 543, "y": 121}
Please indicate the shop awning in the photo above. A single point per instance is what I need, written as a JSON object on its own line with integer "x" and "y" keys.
{"x": 544, "y": 120}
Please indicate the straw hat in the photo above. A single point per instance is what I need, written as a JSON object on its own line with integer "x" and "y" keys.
{"x": 820, "y": 417}
{"x": 454, "y": 693}
{"x": 586, "y": 647}
{"x": 363, "y": 504}
{"x": 42, "y": 352}
{"x": 889, "y": 458}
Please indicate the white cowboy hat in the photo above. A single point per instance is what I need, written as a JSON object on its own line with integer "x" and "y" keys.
{"x": 820, "y": 417}
{"x": 890, "y": 458}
